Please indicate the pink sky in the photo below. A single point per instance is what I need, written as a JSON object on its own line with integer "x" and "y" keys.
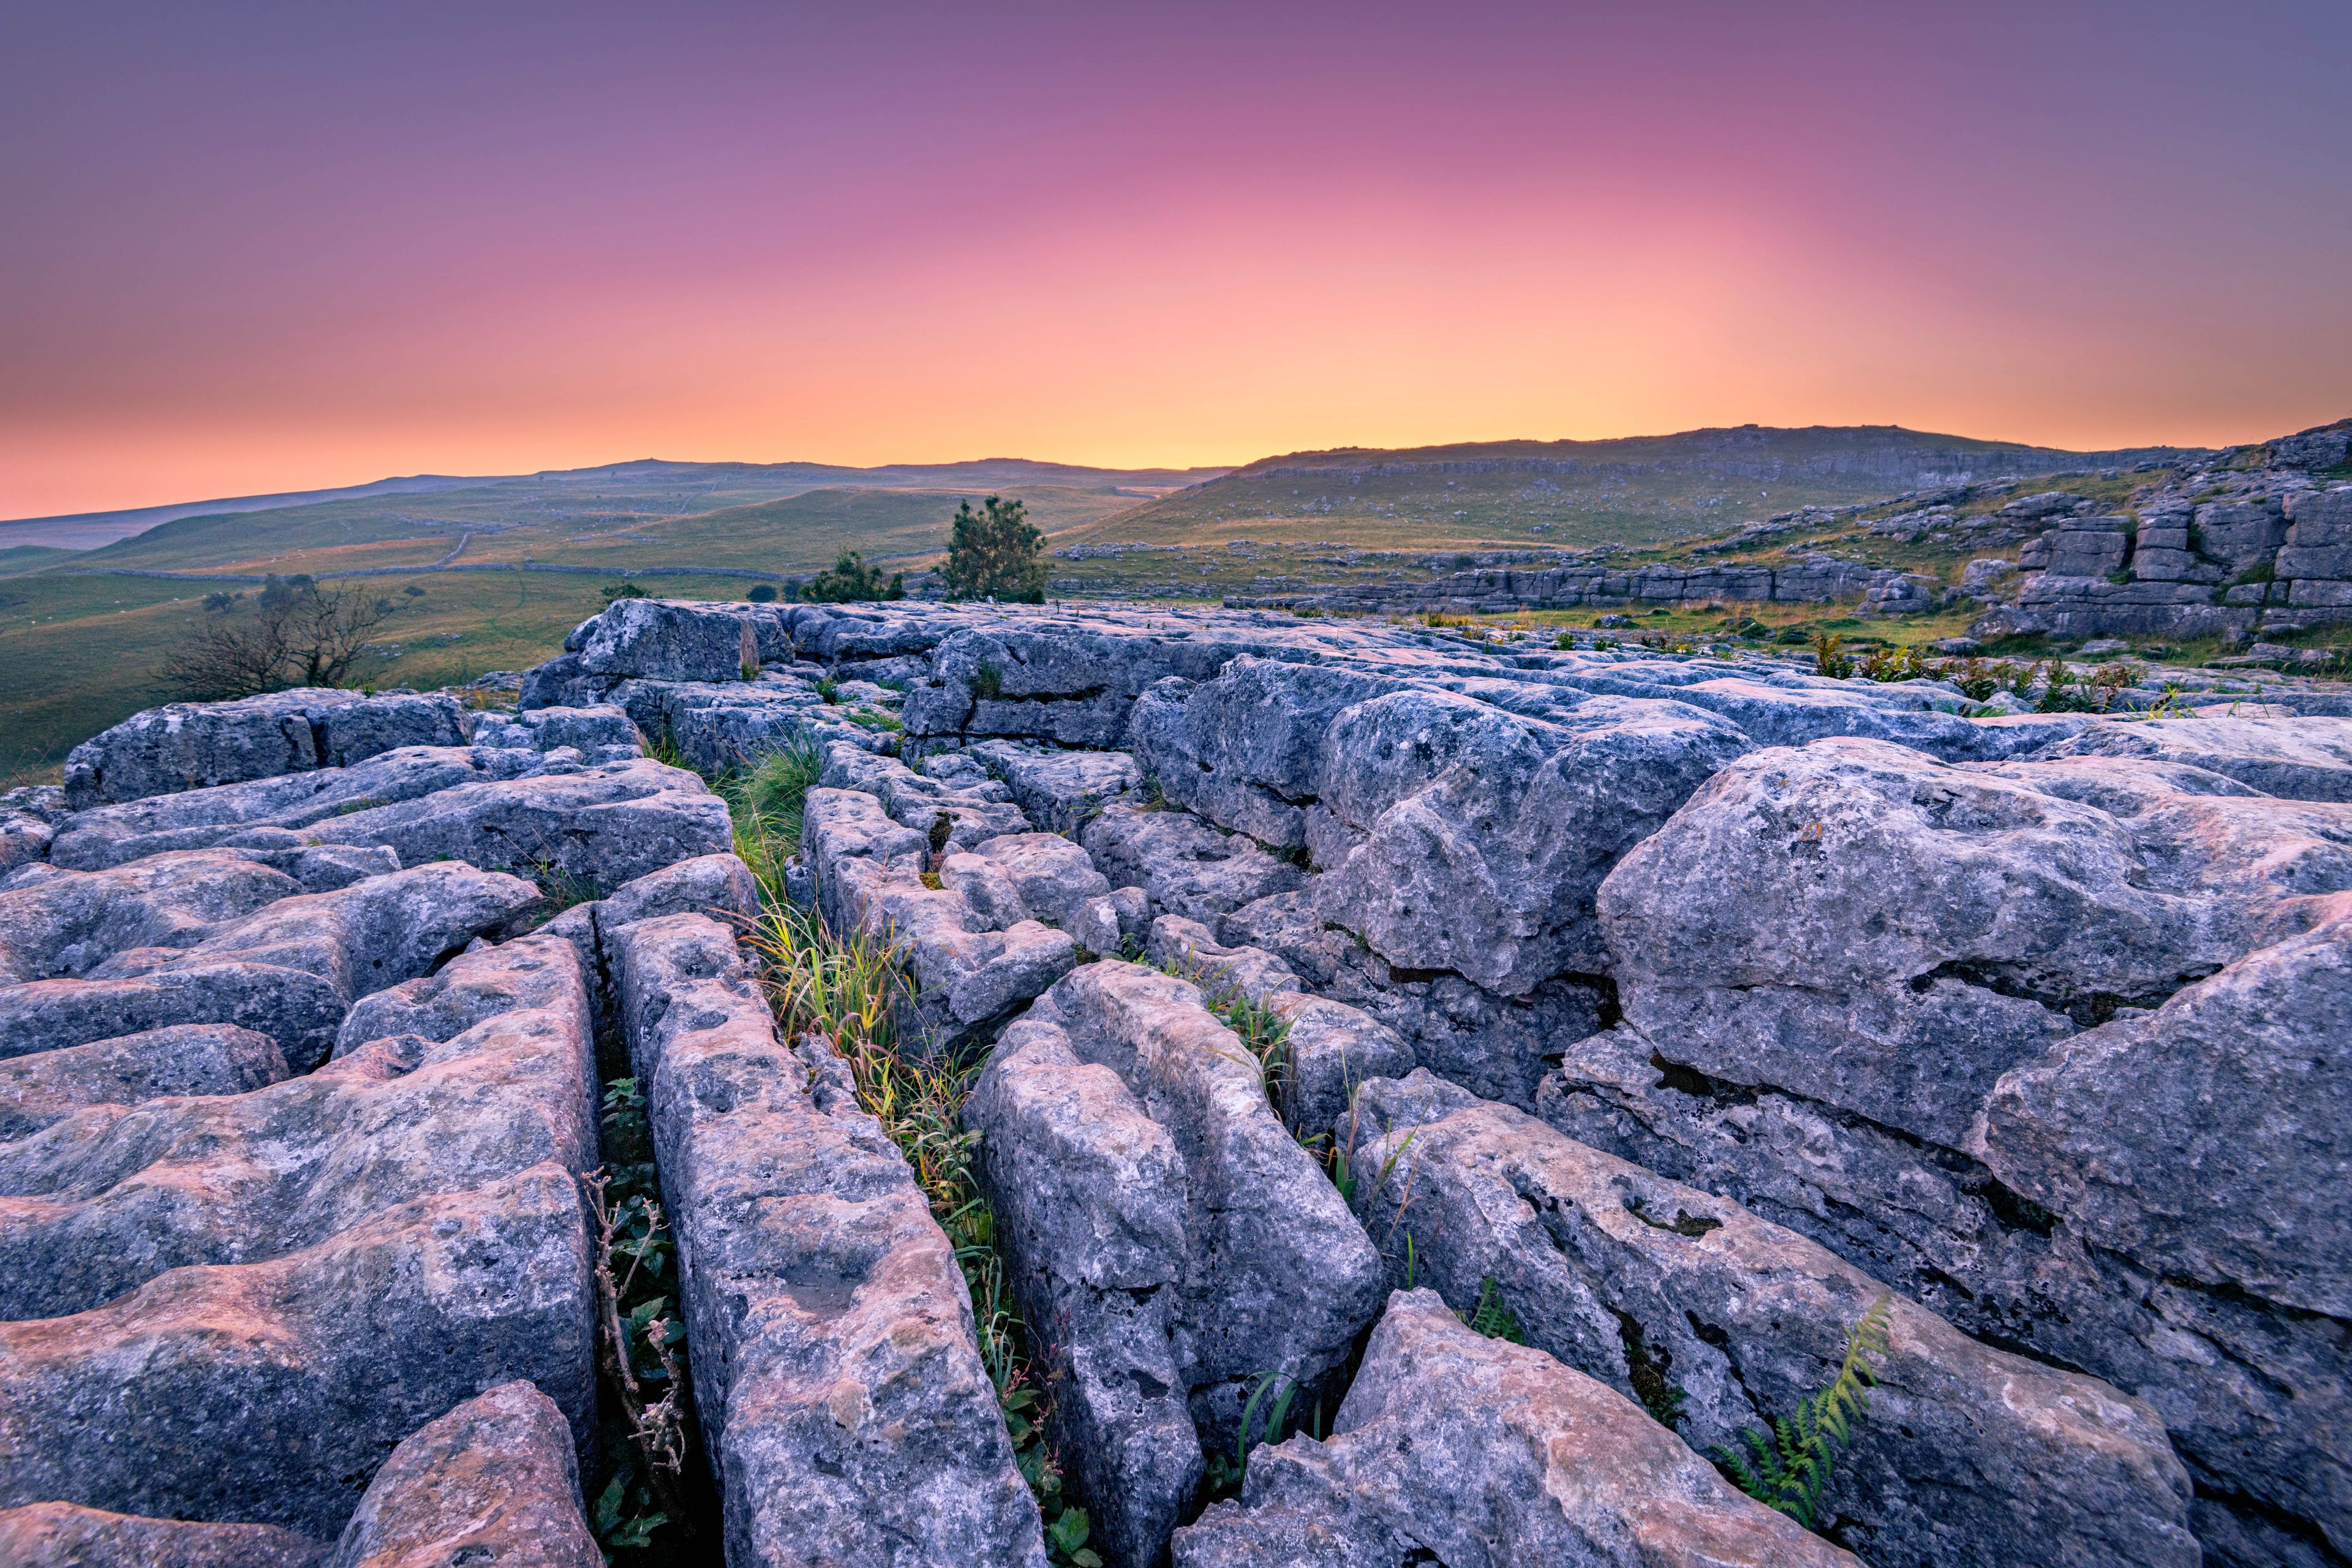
{"x": 256, "y": 248}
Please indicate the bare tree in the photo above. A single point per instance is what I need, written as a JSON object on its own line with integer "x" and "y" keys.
{"x": 294, "y": 634}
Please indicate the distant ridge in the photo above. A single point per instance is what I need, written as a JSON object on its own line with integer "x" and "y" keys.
{"x": 92, "y": 530}
{"x": 88, "y": 530}
{"x": 1627, "y": 489}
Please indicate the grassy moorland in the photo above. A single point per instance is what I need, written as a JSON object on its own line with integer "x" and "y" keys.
{"x": 1517, "y": 494}
{"x": 78, "y": 653}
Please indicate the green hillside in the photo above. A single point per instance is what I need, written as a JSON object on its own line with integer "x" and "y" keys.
{"x": 1514, "y": 494}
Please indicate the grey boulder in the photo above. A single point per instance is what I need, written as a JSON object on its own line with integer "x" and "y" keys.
{"x": 840, "y": 1391}
{"x": 1458, "y": 1450}
{"x": 194, "y": 745}
{"x": 267, "y": 1392}
{"x": 1722, "y": 1322}
{"x": 494, "y": 1480}
{"x": 101, "y": 1201}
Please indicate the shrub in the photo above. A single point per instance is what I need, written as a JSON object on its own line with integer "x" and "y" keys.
{"x": 1830, "y": 658}
{"x": 851, "y": 581}
{"x": 1893, "y": 664}
{"x": 293, "y": 634}
{"x": 764, "y": 593}
{"x": 625, "y": 591}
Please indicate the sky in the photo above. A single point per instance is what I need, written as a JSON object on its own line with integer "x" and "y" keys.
{"x": 247, "y": 247}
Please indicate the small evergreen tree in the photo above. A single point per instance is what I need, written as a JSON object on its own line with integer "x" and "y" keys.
{"x": 850, "y": 580}
{"x": 996, "y": 553}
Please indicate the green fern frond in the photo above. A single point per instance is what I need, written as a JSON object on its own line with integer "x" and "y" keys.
{"x": 1794, "y": 1455}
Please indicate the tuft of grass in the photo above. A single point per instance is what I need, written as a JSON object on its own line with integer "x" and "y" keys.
{"x": 766, "y": 799}
{"x": 847, "y": 990}
{"x": 1789, "y": 1464}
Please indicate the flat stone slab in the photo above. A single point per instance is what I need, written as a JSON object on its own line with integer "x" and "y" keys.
{"x": 267, "y": 1392}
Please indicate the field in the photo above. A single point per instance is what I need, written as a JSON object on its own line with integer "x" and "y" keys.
{"x": 78, "y": 654}
{"x": 82, "y": 634}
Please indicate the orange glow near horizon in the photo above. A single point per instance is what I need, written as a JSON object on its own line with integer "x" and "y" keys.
{"x": 1343, "y": 240}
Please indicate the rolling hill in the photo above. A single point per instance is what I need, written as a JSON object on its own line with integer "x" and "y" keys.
{"x": 1638, "y": 489}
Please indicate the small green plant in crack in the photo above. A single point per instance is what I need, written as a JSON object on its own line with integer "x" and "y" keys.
{"x": 987, "y": 682}
{"x": 828, "y": 689}
{"x": 662, "y": 747}
{"x": 1647, "y": 1369}
{"x": 364, "y": 803}
{"x": 563, "y": 887}
{"x": 1789, "y": 1464}
{"x": 1263, "y": 1421}
{"x": 648, "y": 1510}
{"x": 1490, "y": 1317}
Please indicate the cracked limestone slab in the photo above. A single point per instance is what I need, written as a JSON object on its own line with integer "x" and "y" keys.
{"x": 1459, "y": 1449}
{"x": 1280, "y": 1276}
{"x": 107, "y": 1198}
{"x": 839, "y": 1383}
{"x": 269, "y": 1393}
{"x": 187, "y": 1060}
{"x": 1722, "y": 1322}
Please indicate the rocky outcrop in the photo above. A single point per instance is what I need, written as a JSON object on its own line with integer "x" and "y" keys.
{"x": 1721, "y": 1323}
{"x": 1668, "y": 1004}
{"x": 195, "y": 746}
{"x": 1284, "y": 1278}
{"x": 265, "y": 1393}
{"x": 187, "y": 1059}
{"x": 1171, "y": 1242}
{"x": 841, "y": 1393}
{"x": 62, "y": 1535}
{"x": 101, "y": 1201}
{"x": 1910, "y": 946}
{"x": 1460, "y": 1449}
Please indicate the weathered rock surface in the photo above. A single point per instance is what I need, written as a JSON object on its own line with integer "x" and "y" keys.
{"x": 107, "y": 1198}
{"x": 494, "y": 1480}
{"x": 1278, "y": 1274}
{"x": 966, "y": 972}
{"x": 62, "y": 1535}
{"x": 1721, "y": 1323}
{"x": 1860, "y": 925}
{"x": 1477, "y": 1454}
{"x": 1186, "y": 948}
{"x": 2300, "y": 759}
{"x": 194, "y": 745}
{"x": 841, "y": 1393}
{"x": 57, "y": 924}
{"x": 1184, "y": 865}
{"x": 1091, "y": 1199}
{"x": 1059, "y": 791}
{"x": 498, "y": 809}
{"x": 289, "y": 971}
{"x": 267, "y": 1392}
{"x": 1826, "y": 1046}
{"x": 188, "y": 1059}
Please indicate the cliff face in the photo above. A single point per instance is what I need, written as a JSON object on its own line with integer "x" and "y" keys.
{"x": 2258, "y": 540}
